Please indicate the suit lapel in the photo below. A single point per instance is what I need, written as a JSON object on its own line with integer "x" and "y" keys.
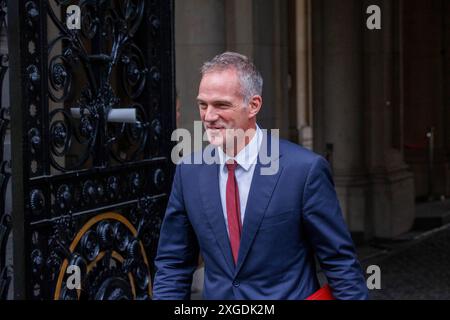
{"x": 261, "y": 190}
{"x": 210, "y": 194}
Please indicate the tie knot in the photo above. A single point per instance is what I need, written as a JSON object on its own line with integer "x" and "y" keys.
{"x": 231, "y": 165}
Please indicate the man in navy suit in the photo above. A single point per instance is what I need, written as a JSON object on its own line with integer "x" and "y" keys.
{"x": 258, "y": 233}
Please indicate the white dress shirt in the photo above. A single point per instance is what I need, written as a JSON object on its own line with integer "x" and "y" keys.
{"x": 246, "y": 160}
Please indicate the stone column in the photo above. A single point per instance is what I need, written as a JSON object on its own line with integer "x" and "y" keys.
{"x": 391, "y": 183}
{"x": 270, "y": 54}
{"x": 356, "y": 86}
{"x": 338, "y": 102}
{"x": 303, "y": 72}
{"x": 199, "y": 36}
{"x": 239, "y": 26}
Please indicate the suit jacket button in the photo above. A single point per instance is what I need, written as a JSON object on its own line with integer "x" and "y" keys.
{"x": 236, "y": 283}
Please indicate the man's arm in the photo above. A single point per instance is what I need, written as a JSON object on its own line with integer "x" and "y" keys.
{"x": 177, "y": 254}
{"x": 329, "y": 236}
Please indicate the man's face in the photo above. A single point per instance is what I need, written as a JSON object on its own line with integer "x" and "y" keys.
{"x": 221, "y": 105}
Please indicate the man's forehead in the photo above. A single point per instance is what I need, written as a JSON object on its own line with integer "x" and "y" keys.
{"x": 215, "y": 97}
{"x": 221, "y": 76}
{"x": 222, "y": 70}
{"x": 219, "y": 83}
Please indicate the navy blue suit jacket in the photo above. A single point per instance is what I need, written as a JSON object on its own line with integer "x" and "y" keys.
{"x": 290, "y": 217}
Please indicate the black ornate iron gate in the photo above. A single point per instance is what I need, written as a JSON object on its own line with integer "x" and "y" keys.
{"x": 92, "y": 115}
{"x": 5, "y": 164}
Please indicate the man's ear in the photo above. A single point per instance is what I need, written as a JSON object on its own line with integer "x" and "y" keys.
{"x": 254, "y": 105}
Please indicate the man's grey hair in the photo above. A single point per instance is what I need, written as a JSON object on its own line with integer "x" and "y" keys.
{"x": 250, "y": 78}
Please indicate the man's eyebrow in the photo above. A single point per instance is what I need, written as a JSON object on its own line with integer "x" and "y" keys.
{"x": 221, "y": 102}
{"x": 215, "y": 101}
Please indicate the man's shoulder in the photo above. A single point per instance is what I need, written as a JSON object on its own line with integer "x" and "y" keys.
{"x": 196, "y": 159}
{"x": 295, "y": 154}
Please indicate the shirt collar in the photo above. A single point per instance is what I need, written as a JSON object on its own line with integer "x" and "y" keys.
{"x": 248, "y": 155}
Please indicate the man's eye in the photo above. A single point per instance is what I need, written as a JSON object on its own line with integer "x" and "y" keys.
{"x": 222, "y": 106}
{"x": 202, "y": 105}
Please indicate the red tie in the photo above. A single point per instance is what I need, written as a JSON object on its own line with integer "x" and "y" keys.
{"x": 233, "y": 211}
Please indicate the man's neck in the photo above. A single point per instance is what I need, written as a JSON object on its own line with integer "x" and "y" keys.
{"x": 240, "y": 144}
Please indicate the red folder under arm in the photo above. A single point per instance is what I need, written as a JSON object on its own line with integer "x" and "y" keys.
{"x": 323, "y": 293}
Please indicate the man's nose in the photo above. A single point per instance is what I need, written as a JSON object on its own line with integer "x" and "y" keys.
{"x": 210, "y": 114}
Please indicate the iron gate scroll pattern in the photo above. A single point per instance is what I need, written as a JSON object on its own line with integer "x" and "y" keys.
{"x": 94, "y": 188}
{"x": 5, "y": 174}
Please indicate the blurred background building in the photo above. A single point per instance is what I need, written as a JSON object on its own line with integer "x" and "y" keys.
{"x": 376, "y": 102}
